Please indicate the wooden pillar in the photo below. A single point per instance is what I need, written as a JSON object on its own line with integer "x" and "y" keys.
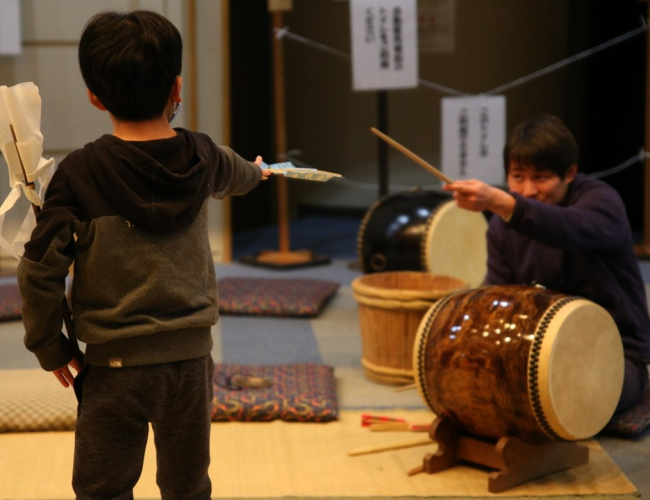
{"x": 284, "y": 257}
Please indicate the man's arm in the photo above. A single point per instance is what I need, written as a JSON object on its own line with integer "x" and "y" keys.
{"x": 478, "y": 196}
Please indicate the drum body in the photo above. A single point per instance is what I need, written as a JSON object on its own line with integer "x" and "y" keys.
{"x": 520, "y": 361}
{"x": 422, "y": 230}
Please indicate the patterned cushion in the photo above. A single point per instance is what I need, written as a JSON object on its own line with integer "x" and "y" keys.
{"x": 10, "y": 302}
{"x": 632, "y": 422}
{"x": 274, "y": 297}
{"x": 299, "y": 393}
{"x": 33, "y": 400}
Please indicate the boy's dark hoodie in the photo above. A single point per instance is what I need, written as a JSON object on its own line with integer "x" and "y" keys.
{"x": 132, "y": 217}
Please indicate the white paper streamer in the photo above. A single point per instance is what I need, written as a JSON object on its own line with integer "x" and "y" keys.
{"x": 20, "y": 108}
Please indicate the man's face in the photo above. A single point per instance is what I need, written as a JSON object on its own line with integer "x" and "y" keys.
{"x": 540, "y": 185}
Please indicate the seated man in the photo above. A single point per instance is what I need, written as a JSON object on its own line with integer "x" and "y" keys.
{"x": 568, "y": 232}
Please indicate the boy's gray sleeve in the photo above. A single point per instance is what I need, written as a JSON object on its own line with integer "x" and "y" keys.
{"x": 244, "y": 175}
{"x": 42, "y": 271}
{"x": 42, "y": 289}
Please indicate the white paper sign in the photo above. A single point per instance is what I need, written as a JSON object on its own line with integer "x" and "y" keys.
{"x": 384, "y": 44}
{"x": 473, "y": 137}
{"x": 437, "y": 25}
{"x": 9, "y": 27}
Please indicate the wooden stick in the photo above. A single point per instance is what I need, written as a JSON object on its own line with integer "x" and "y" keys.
{"x": 391, "y": 427}
{"x": 406, "y": 388}
{"x": 412, "y": 156}
{"x": 396, "y": 446}
{"x": 65, "y": 309}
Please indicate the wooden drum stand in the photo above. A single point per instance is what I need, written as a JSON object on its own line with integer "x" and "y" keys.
{"x": 515, "y": 462}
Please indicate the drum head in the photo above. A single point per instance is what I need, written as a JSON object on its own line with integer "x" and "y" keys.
{"x": 579, "y": 376}
{"x": 456, "y": 244}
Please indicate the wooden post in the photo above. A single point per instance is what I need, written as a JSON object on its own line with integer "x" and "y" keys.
{"x": 283, "y": 257}
{"x": 280, "y": 132}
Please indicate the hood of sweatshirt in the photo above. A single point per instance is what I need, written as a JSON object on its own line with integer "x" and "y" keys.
{"x": 158, "y": 186}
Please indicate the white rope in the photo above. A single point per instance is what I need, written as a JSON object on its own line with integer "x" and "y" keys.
{"x": 284, "y": 32}
{"x": 618, "y": 168}
{"x": 569, "y": 60}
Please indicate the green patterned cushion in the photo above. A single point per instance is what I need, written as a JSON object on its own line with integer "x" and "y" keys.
{"x": 10, "y": 302}
{"x": 274, "y": 297}
{"x": 298, "y": 393}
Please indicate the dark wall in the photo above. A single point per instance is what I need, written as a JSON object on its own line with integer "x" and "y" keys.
{"x": 605, "y": 104}
{"x": 251, "y": 105}
{"x": 607, "y": 94}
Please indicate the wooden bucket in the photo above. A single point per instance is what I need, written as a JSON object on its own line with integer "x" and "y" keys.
{"x": 391, "y": 306}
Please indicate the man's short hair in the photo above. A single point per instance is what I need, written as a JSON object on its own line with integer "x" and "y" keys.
{"x": 130, "y": 61}
{"x": 545, "y": 143}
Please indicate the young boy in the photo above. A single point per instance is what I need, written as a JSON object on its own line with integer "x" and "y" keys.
{"x": 129, "y": 210}
{"x": 567, "y": 232}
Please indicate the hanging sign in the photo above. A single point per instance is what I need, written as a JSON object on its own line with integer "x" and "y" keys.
{"x": 9, "y": 27}
{"x": 437, "y": 25}
{"x": 473, "y": 137}
{"x": 384, "y": 44}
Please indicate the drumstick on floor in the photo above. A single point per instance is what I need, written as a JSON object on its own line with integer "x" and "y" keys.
{"x": 412, "y": 156}
{"x": 395, "y": 446}
{"x": 406, "y": 388}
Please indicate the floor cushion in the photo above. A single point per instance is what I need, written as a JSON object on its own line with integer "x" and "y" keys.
{"x": 293, "y": 393}
{"x": 274, "y": 297}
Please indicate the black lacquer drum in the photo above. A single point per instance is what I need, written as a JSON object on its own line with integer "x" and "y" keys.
{"x": 423, "y": 230}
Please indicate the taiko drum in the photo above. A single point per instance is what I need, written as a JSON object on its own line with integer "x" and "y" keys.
{"x": 423, "y": 230}
{"x": 520, "y": 361}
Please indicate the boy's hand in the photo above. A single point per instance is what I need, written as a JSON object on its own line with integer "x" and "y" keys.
{"x": 64, "y": 375}
{"x": 266, "y": 173}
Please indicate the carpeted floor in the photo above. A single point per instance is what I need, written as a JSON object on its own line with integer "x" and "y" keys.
{"x": 333, "y": 339}
{"x": 279, "y": 460}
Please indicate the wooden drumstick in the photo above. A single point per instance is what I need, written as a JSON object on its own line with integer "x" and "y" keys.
{"x": 406, "y": 388}
{"x": 396, "y": 446}
{"x": 412, "y": 156}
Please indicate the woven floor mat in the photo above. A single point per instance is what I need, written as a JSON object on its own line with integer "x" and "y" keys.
{"x": 272, "y": 460}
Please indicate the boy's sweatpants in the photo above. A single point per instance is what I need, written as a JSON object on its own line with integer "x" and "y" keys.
{"x": 117, "y": 405}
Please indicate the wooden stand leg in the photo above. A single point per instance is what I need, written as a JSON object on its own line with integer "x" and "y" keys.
{"x": 515, "y": 462}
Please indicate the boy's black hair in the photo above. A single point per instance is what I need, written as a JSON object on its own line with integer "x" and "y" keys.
{"x": 130, "y": 61}
{"x": 545, "y": 143}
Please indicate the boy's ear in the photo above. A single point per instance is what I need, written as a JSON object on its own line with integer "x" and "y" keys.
{"x": 176, "y": 89}
{"x": 94, "y": 100}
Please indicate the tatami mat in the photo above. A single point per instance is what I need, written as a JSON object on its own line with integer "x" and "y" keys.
{"x": 279, "y": 459}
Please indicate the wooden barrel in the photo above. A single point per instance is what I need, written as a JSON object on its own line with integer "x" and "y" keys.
{"x": 391, "y": 306}
{"x": 520, "y": 361}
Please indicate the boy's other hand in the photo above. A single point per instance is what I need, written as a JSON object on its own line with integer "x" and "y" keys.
{"x": 64, "y": 375}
